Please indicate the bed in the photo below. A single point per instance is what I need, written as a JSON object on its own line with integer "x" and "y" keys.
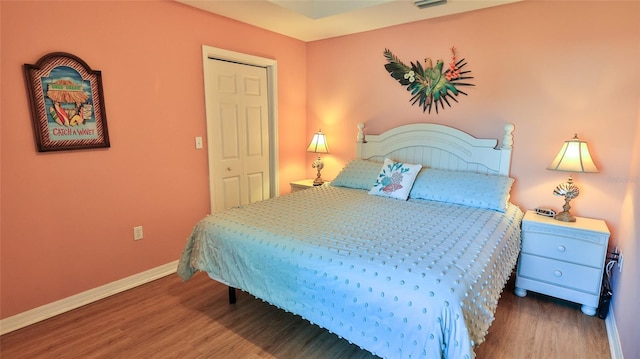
{"x": 403, "y": 268}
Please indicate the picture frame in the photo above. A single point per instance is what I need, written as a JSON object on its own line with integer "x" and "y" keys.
{"x": 67, "y": 103}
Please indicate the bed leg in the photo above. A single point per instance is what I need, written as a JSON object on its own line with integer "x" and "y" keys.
{"x": 232, "y": 295}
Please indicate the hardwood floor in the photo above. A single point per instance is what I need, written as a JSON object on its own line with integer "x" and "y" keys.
{"x": 171, "y": 319}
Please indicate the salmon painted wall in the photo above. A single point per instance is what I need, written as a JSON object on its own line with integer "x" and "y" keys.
{"x": 67, "y": 217}
{"x": 551, "y": 68}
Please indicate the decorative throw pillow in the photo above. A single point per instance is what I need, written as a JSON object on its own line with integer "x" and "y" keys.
{"x": 395, "y": 179}
{"x": 466, "y": 188}
{"x": 359, "y": 174}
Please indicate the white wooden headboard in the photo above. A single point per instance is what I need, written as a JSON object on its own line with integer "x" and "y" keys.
{"x": 438, "y": 146}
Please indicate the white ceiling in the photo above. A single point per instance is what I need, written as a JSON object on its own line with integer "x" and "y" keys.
{"x": 310, "y": 20}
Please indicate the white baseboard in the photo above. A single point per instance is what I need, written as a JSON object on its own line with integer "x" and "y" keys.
{"x": 612, "y": 336}
{"x": 47, "y": 311}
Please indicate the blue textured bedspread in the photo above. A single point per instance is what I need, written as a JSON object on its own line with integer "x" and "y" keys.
{"x": 401, "y": 279}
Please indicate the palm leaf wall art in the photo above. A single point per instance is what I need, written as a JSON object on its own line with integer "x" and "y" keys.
{"x": 429, "y": 85}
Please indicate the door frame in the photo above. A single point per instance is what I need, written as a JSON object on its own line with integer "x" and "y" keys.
{"x": 214, "y": 53}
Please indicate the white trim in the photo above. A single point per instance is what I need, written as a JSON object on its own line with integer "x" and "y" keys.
{"x": 209, "y": 52}
{"x": 47, "y": 311}
{"x": 612, "y": 335}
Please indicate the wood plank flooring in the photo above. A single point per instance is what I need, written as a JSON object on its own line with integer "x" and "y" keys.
{"x": 169, "y": 318}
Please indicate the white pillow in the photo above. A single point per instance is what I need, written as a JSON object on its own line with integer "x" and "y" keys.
{"x": 466, "y": 188}
{"x": 395, "y": 179}
{"x": 358, "y": 173}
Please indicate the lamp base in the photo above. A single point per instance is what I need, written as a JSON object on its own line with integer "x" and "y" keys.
{"x": 318, "y": 165}
{"x": 569, "y": 191}
{"x": 565, "y": 216}
{"x": 318, "y": 181}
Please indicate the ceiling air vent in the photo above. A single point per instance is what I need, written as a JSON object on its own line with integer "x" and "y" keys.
{"x": 427, "y": 3}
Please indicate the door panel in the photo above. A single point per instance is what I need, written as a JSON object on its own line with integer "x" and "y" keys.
{"x": 252, "y": 86}
{"x": 229, "y": 131}
{"x": 254, "y": 132}
{"x": 255, "y": 182}
{"x": 231, "y": 191}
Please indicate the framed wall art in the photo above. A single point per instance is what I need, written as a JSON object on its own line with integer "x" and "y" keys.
{"x": 67, "y": 103}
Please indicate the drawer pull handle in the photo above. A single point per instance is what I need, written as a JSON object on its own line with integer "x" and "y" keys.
{"x": 561, "y": 248}
{"x": 557, "y": 273}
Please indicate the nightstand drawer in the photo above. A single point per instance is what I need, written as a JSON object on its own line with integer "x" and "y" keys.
{"x": 573, "y": 276}
{"x": 563, "y": 248}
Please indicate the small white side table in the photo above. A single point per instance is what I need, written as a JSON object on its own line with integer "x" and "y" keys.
{"x": 303, "y": 184}
{"x": 563, "y": 259}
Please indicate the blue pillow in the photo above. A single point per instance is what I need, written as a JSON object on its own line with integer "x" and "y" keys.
{"x": 359, "y": 174}
{"x": 466, "y": 188}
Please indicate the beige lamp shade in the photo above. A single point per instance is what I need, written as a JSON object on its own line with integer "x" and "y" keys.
{"x": 574, "y": 156}
{"x": 318, "y": 143}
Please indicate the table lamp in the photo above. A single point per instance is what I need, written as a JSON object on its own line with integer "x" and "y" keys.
{"x": 573, "y": 157}
{"x": 318, "y": 145}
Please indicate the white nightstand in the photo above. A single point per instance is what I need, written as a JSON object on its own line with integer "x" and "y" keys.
{"x": 302, "y": 185}
{"x": 563, "y": 259}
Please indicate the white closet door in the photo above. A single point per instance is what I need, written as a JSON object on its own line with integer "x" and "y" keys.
{"x": 238, "y": 134}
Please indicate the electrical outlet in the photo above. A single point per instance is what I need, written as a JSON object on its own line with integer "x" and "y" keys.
{"x": 137, "y": 233}
{"x": 620, "y": 259}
